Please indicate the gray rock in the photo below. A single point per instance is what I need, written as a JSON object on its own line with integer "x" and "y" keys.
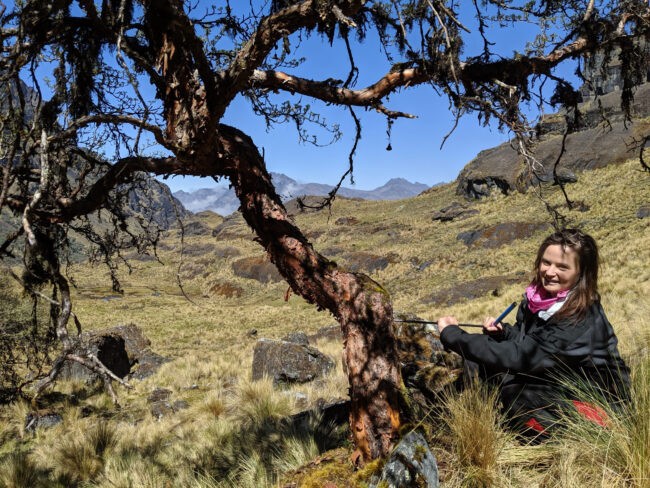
{"x": 161, "y": 404}
{"x": 123, "y": 349}
{"x": 327, "y": 333}
{"x": 109, "y": 348}
{"x": 455, "y": 211}
{"x": 148, "y": 364}
{"x": 591, "y": 145}
{"x": 297, "y": 338}
{"x": 41, "y": 420}
{"x": 643, "y": 212}
{"x": 410, "y": 465}
{"x": 500, "y": 234}
{"x": 287, "y": 363}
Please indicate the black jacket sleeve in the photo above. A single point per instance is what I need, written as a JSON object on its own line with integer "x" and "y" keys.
{"x": 541, "y": 348}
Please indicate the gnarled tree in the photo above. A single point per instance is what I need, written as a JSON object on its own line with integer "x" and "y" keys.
{"x": 146, "y": 85}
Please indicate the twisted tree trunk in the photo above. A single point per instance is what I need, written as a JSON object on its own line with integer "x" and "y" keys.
{"x": 361, "y": 305}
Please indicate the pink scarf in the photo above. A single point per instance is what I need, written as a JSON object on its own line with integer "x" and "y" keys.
{"x": 539, "y": 299}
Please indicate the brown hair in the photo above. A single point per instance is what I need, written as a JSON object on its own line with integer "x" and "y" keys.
{"x": 585, "y": 291}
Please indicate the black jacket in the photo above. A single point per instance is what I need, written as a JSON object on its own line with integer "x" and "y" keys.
{"x": 530, "y": 357}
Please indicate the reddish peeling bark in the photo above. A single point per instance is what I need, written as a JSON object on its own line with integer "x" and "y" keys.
{"x": 362, "y": 306}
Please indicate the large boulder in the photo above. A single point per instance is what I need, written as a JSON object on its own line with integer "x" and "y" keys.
{"x": 123, "y": 349}
{"x": 288, "y": 362}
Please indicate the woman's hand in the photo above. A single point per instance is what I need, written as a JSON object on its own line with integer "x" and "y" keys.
{"x": 490, "y": 328}
{"x": 445, "y": 321}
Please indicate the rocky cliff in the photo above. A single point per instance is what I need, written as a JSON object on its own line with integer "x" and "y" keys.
{"x": 602, "y": 137}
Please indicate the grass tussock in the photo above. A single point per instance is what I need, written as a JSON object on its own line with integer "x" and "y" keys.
{"x": 617, "y": 455}
{"x": 475, "y": 435}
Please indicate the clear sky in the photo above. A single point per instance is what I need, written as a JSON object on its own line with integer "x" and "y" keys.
{"x": 416, "y": 153}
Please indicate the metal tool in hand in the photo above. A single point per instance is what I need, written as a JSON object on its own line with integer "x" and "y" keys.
{"x": 497, "y": 321}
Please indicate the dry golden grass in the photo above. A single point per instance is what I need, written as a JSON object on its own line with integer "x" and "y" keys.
{"x": 231, "y": 435}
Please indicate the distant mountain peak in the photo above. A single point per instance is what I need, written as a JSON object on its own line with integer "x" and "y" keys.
{"x": 223, "y": 200}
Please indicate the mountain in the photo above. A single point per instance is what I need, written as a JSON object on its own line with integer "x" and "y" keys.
{"x": 224, "y": 202}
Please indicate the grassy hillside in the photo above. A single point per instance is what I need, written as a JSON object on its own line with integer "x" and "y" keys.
{"x": 229, "y": 434}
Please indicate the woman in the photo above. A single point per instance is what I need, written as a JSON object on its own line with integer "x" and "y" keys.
{"x": 561, "y": 330}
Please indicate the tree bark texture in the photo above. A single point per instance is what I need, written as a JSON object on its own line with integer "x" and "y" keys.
{"x": 361, "y": 305}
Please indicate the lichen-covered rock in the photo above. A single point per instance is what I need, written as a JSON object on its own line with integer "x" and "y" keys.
{"x": 410, "y": 465}
{"x": 297, "y": 338}
{"x": 286, "y": 362}
{"x": 643, "y": 212}
{"x": 425, "y": 364}
{"x": 41, "y": 420}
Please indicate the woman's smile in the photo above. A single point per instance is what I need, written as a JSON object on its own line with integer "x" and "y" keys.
{"x": 558, "y": 269}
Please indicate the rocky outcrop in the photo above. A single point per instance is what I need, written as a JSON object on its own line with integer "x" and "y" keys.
{"x": 593, "y": 142}
{"x": 123, "y": 349}
{"x": 471, "y": 290}
{"x": 501, "y": 234}
{"x": 455, "y": 211}
{"x": 287, "y": 362}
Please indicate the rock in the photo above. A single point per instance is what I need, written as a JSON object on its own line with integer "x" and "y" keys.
{"x": 643, "y": 212}
{"x": 410, "y": 465}
{"x": 43, "y": 419}
{"x": 425, "y": 364}
{"x": 328, "y": 333}
{"x": 500, "y": 234}
{"x": 455, "y": 211}
{"x": 106, "y": 346}
{"x": 147, "y": 365}
{"x": 161, "y": 404}
{"x": 287, "y": 363}
{"x": 123, "y": 349}
{"x": 474, "y": 289}
{"x": 195, "y": 229}
{"x": 366, "y": 262}
{"x": 297, "y": 338}
{"x": 346, "y": 221}
{"x": 256, "y": 268}
{"x": 564, "y": 176}
{"x": 590, "y": 146}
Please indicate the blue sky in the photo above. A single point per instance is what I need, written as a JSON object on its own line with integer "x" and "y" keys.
{"x": 416, "y": 153}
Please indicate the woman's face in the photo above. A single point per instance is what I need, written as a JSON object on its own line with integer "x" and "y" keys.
{"x": 558, "y": 269}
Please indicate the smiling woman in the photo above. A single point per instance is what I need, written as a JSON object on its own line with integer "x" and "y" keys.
{"x": 561, "y": 331}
